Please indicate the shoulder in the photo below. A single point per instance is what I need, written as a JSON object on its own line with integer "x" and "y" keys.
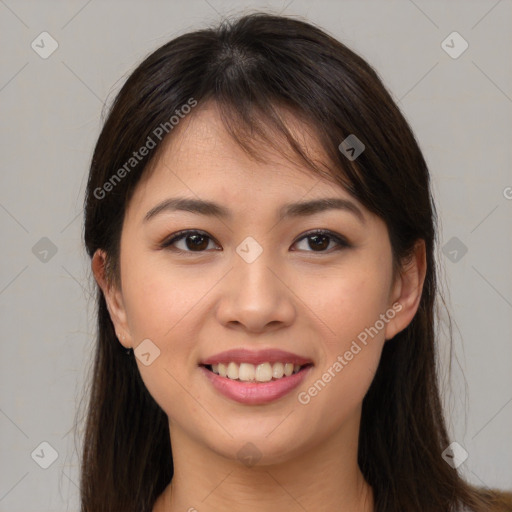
{"x": 499, "y": 500}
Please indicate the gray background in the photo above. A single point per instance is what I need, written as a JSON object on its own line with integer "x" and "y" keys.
{"x": 460, "y": 109}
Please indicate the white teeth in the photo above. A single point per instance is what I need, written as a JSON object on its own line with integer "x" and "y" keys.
{"x": 232, "y": 371}
{"x": 288, "y": 369}
{"x": 222, "y": 370}
{"x": 278, "y": 370}
{"x": 246, "y": 371}
{"x": 263, "y": 372}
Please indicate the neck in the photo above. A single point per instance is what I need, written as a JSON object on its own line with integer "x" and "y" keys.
{"x": 324, "y": 478}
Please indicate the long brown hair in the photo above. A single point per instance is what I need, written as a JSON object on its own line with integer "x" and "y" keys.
{"x": 253, "y": 67}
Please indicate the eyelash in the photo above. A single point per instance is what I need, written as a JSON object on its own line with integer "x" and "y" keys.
{"x": 176, "y": 237}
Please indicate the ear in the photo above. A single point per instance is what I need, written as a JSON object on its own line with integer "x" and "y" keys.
{"x": 113, "y": 298}
{"x": 407, "y": 290}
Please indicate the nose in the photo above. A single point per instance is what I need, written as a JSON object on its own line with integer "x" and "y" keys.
{"x": 255, "y": 296}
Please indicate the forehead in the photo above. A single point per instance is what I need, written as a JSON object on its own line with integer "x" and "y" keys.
{"x": 201, "y": 159}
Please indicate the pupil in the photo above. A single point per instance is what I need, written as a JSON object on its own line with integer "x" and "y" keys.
{"x": 322, "y": 245}
{"x": 197, "y": 242}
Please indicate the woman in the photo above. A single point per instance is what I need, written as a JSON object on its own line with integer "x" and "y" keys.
{"x": 262, "y": 232}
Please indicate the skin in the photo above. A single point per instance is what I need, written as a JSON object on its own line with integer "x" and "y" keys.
{"x": 294, "y": 296}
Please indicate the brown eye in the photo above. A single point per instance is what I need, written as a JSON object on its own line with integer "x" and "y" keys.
{"x": 194, "y": 241}
{"x": 198, "y": 241}
{"x": 320, "y": 240}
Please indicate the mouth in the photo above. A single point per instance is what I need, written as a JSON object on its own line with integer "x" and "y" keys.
{"x": 254, "y": 392}
{"x": 259, "y": 373}
{"x": 255, "y": 377}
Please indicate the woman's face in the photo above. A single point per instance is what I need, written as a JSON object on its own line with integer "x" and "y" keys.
{"x": 253, "y": 281}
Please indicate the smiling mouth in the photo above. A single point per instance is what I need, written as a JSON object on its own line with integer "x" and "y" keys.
{"x": 247, "y": 372}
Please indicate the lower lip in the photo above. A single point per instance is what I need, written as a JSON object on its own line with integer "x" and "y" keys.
{"x": 255, "y": 393}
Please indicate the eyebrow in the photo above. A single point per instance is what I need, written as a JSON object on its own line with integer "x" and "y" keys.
{"x": 210, "y": 208}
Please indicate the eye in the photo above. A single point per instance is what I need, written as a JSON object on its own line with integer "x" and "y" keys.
{"x": 320, "y": 240}
{"x": 194, "y": 241}
{"x": 197, "y": 241}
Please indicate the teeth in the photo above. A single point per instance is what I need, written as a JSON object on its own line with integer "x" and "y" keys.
{"x": 288, "y": 369}
{"x": 264, "y": 372}
{"x": 222, "y": 370}
{"x": 277, "y": 370}
{"x": 232, "y": 371}
{"x": 246, "y": 372}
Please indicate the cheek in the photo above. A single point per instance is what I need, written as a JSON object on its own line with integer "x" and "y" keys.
{"x": 157, "y": 299}
{"x": 351, "y": 345}
{"x": 350, "y": 306}
{"x": 348, "y": 302}
{"x": 164, "y": 306}
{"x": 159, "y": 305}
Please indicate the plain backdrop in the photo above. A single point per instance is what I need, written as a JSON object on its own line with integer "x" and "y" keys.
{"x": 459, "y": 107}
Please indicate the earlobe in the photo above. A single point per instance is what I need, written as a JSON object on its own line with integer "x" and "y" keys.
{"x": 113, "y": 298}
{"x": 407, "y": 290}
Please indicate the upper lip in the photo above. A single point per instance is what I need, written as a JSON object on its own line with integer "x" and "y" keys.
{"x": 242, "y": 355}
